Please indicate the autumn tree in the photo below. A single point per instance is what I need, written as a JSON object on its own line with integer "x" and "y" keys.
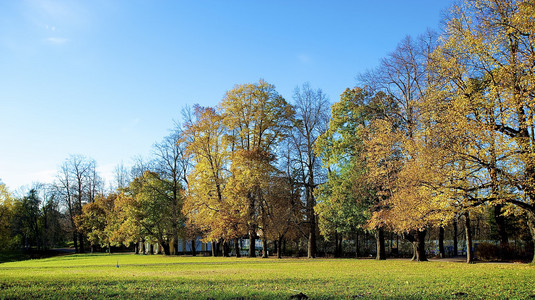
{"x": 257, "y": 119}
{"x": 486, "y": 64}
{"x": 6, "y": 216}
{"x": 126, "y": 228}
{"x": 408, "y": 189}
{"x": 403, "y": 76}
{"x": 207, "y": 205}
{"x": 97, "y": 221}
{"x": 281, "y": 212}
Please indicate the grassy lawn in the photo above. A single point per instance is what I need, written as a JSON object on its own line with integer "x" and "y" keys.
{"x": 97, "y": 276}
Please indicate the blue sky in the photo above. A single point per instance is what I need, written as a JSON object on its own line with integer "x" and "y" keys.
{"x": 106, "y": 79}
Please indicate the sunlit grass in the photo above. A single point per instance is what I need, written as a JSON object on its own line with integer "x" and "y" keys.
{"x": 97, "y": 276}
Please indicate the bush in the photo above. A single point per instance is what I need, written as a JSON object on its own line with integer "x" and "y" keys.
{"x": 487, "y": 251}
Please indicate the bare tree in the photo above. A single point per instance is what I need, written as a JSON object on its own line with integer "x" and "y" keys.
{"x": 139, "y": 167}
{"x": 312, "y": 114}
{"x": 122, "y": 176}
{"x": 172, "y": 165}
{"x": 77, "y": 184}
{"x": 63, "y": 188}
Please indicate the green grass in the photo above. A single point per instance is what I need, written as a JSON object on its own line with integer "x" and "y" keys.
{"x": 96, "y": 276}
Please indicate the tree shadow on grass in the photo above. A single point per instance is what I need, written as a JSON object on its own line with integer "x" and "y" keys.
{"x": 19, "y": 255}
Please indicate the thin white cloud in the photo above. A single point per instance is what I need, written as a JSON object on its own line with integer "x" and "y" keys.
{"x": 57, "y": 17}
{"x": 57, "y": 40}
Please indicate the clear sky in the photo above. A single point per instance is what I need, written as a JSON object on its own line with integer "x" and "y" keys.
{"x": 107, "y": 78}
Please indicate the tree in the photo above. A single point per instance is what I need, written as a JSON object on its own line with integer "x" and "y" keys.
{"x": 337, "y": 206}
{"x": 78, "y": 184}
{"x": 407, "y": 188}
{"x": 172, "y": 165}
{"x": 121, "y": 176}
{"x": 403, "y": 76}
{"x": 51, "y": 218}
{"x": 207, "y": 205}
{"x": 152, "y": 208}
{"x": 97, "y": 221}
{"x": 486, "y": 64}
{"x": 126, "y": 228}
{"x": 257, "y": 119}
{"x": 347, "y": 198}
{"x": 7, "y": 211}
{"x": 27, "y": 214}
{"x": 312, "y": 115}
{"x": 281, "y": 212}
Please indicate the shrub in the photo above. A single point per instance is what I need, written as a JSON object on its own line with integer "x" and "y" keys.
{"x": 487, "y": 251}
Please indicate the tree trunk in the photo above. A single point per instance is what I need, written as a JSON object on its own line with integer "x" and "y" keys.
{"x": 193, "y": 246}
{"x": 109, "y": 248}
{"x": 468, "y": 231}
{"x": 151, "y": 249}
{"x": 225, "y": 248}
{"x": 311, "y": 251}
{"x": 279, "y": 248}
{"x": 455, "y": 241}
{"x": 264, "y": 248}
{"x": 143, "y": 250}
{"x": 166, "y": 248}
{"x": 441, "y": 251}
{"x": 176, "y": 188}
{"x": 357, "y": 246}
{"x": 531, "y": 225}
{"x": 45, "y": 231}
{"x": 252, "y": 226}
{"x": 252, "y": 243}
{"x": 411, "y": 238}
{"x": 237, "y": 247}
{"x": 172, "y": 246}
{"x": 214, "y": 248}
{"x": 136, "y": 248}
{"x": 414, "y": 251}
{"x": 420, "y": 245}
{"x": 380, "y": 240}
{"x": 81, "y": 239}
{"x": 502, "y": 232}
{"x": 337, "y": 250}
